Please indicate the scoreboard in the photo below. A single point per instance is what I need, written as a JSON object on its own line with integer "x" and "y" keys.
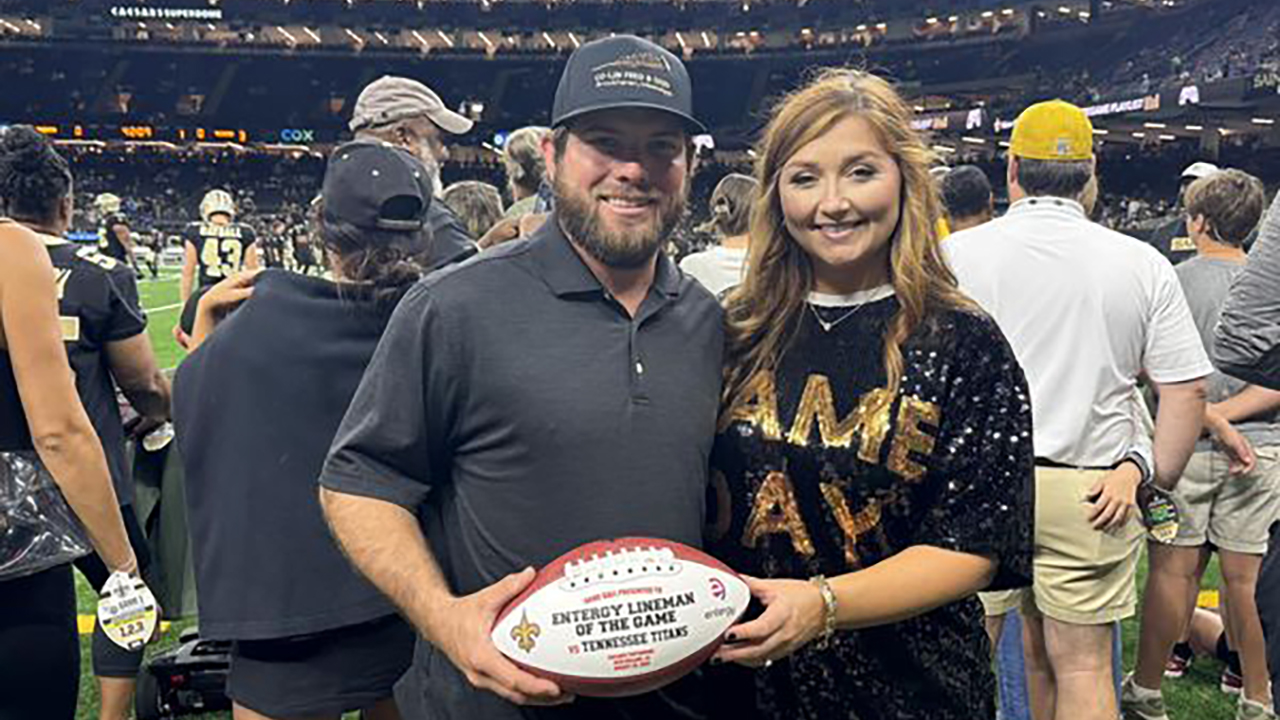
{"x": 143, "y": 133}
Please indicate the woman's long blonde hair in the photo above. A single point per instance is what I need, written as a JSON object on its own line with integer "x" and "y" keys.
{"x": 762, "y": 313}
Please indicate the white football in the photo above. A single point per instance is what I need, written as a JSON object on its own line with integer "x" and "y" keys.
{"x": 621, "y": 617}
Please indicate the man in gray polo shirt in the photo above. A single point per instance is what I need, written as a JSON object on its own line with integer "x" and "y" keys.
{"x": 545, "y": 394}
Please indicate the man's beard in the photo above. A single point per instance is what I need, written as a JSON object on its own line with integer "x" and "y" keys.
{"x": 433, "y": 176}
{"x": 627, "y": 248}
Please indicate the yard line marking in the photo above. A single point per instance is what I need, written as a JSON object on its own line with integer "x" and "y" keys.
{"x": 85, "y": 623}
{"x": 162, "y": 308}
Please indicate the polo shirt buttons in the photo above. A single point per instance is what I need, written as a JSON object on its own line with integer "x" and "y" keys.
{"x": 639, "y": 367}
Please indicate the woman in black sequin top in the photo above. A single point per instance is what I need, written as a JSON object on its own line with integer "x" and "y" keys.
{"x": 874, "y": 463}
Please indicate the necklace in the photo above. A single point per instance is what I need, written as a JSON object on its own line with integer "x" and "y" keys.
{"x": 865, "y": 296}
{"x": 826, "y": 325}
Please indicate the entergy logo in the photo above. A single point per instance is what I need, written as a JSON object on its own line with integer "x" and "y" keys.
{"x": 717, "y": 589}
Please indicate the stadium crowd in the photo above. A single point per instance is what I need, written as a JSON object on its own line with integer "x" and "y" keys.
{"x": 906, "y": 409}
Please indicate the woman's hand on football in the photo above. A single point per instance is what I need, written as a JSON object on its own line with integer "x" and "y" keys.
{"x": 794, "y": 615}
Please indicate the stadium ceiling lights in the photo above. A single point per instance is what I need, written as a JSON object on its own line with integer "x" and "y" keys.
{"x": 1263, "y": 121}
{"x": 1195, "y": 128}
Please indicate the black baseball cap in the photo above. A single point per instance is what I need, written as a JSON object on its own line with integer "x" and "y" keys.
{"x": 624, "y": 71}
{"x": 376, "y": 186}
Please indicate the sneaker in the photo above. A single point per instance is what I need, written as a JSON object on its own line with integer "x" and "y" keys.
{"x": 1176, "y": 666}
{"x": 1249, "y": 710}
{"x": 1140, "y": 703}
{"x": 1231, "y": 682}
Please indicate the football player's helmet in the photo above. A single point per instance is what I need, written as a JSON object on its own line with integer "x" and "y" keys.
{"x": 217, "y": 201}
{"x": 107, "y": 204}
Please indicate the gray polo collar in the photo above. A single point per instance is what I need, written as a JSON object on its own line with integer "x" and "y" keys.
{"x": 566, "y": 274}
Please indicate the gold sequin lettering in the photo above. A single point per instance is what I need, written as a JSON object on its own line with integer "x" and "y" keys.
{"x": 852, "y": 525}
{"x": 908, "y": 436}
{"x": 817, "y": 403}
{"x": 871, "y": 421}
{"x": 775, "y": 511}
{"x": 760, "y": 409}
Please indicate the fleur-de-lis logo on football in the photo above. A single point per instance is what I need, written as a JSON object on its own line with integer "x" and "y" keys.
{"x": 525, "y": 633}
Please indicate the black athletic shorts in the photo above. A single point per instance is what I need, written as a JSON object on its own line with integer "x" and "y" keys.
{"x": 327, "y": 673}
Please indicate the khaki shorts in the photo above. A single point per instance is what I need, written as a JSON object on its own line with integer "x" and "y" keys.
{"x": 1081, "y": 575}
{"x": 1232, "y": 512}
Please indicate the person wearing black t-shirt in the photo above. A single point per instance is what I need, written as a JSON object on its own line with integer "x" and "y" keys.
{"x": 108, "y": 345}
{"x": 258, "y": 403}
{"x": 44, "y": 425}
{"x": 874, "y": 462}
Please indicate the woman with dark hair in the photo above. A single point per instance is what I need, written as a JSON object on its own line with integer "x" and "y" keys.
{"x": 45, "y": 431}
{"x": 258, "y": 402}
{"x": 874, "y": 463}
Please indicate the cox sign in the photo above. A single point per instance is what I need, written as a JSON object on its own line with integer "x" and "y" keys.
{"x": 297, "y": 135}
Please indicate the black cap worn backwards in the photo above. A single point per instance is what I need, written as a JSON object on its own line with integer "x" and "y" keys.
{"x": 376, "y": 186}
{"x": 624, "y": 71}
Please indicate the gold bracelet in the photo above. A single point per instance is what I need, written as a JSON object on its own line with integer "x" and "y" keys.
{"x": 829, "y": 605}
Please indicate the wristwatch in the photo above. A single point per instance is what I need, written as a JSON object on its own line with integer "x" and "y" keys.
{"x": 1144, "y": 468}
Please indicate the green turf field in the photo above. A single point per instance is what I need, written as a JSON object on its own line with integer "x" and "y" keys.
{"x": 160, "y": 299}
{"x": 1194, "y": 697}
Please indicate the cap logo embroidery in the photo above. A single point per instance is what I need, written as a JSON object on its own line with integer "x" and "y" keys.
{"x": 634, "y": 70}
{"x": 1064, "y": 146}
{"x": 650, "y": 60}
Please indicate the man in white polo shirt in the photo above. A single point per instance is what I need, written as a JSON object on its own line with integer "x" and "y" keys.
{"x": 1087, "y": 311}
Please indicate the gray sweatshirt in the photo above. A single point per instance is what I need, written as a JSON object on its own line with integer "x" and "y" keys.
{"x": 1247, "y": 339}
